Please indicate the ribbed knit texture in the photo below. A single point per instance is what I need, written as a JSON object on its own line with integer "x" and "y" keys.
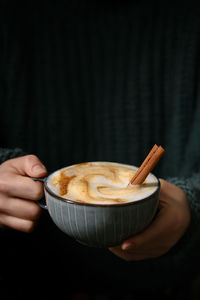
{"x": 6, "y": 154}
{"x": 127, "y": 78}
{"x": 99, "y": 81}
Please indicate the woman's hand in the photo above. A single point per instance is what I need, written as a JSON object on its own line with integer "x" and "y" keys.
{"x": 168, "y": 227}
{"x": 18, "y": 192}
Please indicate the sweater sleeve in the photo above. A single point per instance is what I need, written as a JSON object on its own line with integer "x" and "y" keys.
{"x": 191, "y": 186}
{"x": 6, "y": 153}
{"x": 189, "y": 243}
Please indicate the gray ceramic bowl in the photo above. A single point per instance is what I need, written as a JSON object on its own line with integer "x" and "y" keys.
{"x": 100, "y": 225}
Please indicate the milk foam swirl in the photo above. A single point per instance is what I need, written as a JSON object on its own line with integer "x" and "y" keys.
{"x": 101, "y": 183}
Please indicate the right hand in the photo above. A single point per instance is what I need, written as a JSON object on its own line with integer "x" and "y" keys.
{"x": 18, "y": 192}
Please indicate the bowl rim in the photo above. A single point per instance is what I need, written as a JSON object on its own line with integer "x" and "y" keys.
{"x": 69, "y": 201}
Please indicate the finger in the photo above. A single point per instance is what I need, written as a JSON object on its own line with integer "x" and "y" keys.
{"x": 157, "y": 233}
{"x": 16, "y": 181}
{"x": 21, "y": 208}
{"x": 24, "y": 187}
{"x": 29, "y": 165}
{"x": 17, "y": 223}
{"x": 119, "y": 252}
{"x": 130, "y": 255}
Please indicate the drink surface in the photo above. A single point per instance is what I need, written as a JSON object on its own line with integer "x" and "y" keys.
{"x": 100, "y": 183}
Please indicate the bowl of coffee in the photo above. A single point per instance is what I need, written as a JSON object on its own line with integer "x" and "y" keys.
{"x": 94, "y": 203}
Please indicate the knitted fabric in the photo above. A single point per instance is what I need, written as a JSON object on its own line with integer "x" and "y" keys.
{"x": 6, "y": 154}
{"x": 88, "y": 81}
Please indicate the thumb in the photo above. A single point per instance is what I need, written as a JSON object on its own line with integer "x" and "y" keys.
{"x": 32, "y": 166}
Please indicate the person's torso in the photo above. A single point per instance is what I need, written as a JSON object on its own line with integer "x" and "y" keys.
{"x": 98, "y": 82}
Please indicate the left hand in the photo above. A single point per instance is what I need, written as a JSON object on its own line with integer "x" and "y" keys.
{"x": 165, "y": 231}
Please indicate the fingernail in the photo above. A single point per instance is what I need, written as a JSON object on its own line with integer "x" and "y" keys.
{"x": 38, "y": 169}
{"x": 126, "y": 246}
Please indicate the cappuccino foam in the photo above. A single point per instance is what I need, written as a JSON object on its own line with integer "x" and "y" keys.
{"x": 100, "y": 183}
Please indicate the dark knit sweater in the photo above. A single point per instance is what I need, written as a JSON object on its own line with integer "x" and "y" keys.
{"x": 88, "y": 81}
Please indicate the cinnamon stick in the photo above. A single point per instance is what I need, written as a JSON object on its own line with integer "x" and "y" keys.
{"x": 148, "y": 164}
